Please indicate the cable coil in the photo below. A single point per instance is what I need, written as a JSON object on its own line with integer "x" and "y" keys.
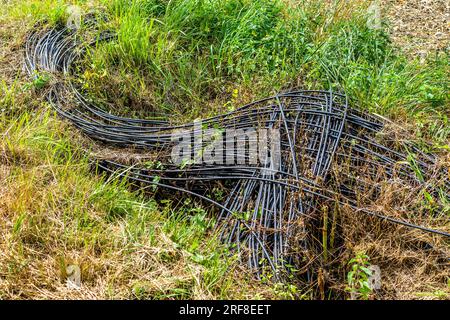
{"x": 267, "y": 209}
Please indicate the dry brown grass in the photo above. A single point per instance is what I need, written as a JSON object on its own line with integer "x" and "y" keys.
{"x": 419, "y": 27}
{"x": 414, "y": 264}
{"x": 52, "y": 217}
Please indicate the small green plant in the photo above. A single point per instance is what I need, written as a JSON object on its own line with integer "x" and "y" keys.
{"x": 39, "y": 82}
{"x": 285, "y": 291}
{"x": 358, "y": 277}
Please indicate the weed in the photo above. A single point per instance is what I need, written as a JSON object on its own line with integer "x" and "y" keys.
{"x": 358, "y": 277}
{"x": 184, "y": 59}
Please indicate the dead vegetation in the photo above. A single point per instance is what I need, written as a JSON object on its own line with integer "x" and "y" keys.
{"x": 54, "y": 213}
{"x": 419, "y": 27}
{"x": 51, "y": 218}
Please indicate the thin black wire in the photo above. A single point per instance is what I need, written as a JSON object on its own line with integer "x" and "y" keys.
{"x": 317, "y": 128}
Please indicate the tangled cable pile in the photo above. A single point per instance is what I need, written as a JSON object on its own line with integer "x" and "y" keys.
{"x": 270, "y": 206}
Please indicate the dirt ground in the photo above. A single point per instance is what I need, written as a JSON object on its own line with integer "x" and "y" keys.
{"x": 418, "y": 27}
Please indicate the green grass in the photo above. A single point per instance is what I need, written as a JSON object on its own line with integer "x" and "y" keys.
{"x": 189, "y": 58}
{"x": 378, "y": 78}
{"x": 53, "y": 11}
{"x": 58, "y": 213}
{"x": 194, "y": 58}
{"x": 186, "y": 53}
